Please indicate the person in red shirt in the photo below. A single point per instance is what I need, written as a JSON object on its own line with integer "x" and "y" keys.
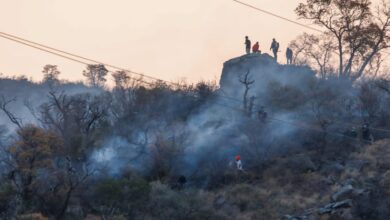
{"x": 255, "y": 48}
{"x": 238, "y": 162}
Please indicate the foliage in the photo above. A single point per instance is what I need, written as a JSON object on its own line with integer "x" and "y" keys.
{"x": 51, "y": 74}
{"x": 123, "y": 153}
{"x": 95, "y": 74}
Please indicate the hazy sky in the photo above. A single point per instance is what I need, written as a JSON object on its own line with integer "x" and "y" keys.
{"x": 170, "y": 39}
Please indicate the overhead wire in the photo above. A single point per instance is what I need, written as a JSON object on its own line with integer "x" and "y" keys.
{"x": 277, "y": 16}
{"x": 281, "y": 17}
{"x": 45, "y": 50}
{"x": 302, "y": 25}
{"x": 61, "y": 55}
{"x": 48, "y": 50}
{"x": 14, "y": 37}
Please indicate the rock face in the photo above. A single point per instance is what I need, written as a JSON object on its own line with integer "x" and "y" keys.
{"x": 262, "y": 69}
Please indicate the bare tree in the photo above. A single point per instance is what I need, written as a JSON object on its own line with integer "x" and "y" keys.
{"x": 4, "y": 107}
{"x": 72, "y": 180}
{"x": 75, "y": 118}
{"x": 359, "y": 34}
{"x": 315, "y": 51}
{"x": 247, "y": 82}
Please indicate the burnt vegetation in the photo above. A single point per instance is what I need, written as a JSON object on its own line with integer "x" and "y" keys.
{"x": 314, "y": 144}
{"x": 159, "y": 152}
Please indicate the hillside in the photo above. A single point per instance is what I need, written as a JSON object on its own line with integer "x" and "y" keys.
{"x": 310, "y": 148}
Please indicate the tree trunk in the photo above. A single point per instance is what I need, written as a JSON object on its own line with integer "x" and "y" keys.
{"x": 340, "y": 56}
{"x": 365, "y": 63}
{"x": 65, "y": 205}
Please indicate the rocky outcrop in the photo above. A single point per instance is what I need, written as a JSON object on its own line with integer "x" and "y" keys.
{"x": 263, "y": 69}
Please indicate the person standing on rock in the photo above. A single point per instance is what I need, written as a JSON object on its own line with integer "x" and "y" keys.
{"x": 255, "y": 48}
{"x": 248, "y": 45}
{"x": 289, "y": 55}
{"x": 275, "y": 48}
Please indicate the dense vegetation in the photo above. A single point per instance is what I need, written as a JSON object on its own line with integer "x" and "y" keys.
{"x": 118, "y": 154}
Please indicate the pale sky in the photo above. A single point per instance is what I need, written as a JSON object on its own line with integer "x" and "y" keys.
{"x": 170, "y": 39}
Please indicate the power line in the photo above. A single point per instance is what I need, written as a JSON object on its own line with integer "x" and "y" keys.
{"x": 277, "y": 16}
{"x": 45, "y": 50}
{"x": 62, "y": 56}
{"x": 9, "y": 36}
{"x": 39, "y": 47}
{"x": 283, "y": 18}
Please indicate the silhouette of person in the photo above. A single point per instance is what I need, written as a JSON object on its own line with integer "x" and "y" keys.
{"x": 289, "y": 55}
{"x": 248, "y": 45}
{"x": 255, "y": 48}
{"x": 275, "y": 48}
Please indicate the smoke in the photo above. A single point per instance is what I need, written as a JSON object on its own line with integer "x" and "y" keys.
{"x": 117, "y": 154}
{"x": 217, "y": 131}
{"x": 166, "y": 132}
{"x": 26, "y": 97}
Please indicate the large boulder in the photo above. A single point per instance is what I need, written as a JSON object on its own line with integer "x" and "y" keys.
{"x": 265, "y": 73}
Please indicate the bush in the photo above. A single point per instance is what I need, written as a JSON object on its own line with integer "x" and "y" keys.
{"x": 120, "y": 196}
{"x": 166, "y": 203}
{"x": 7, "y": 195}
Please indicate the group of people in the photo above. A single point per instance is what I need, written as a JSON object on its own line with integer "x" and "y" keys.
{"x": 274, "y": 47}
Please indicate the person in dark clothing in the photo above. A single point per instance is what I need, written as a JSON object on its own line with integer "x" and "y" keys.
{"x": 248, "y": 45}
{"x": 289, "y": 55}
{"x": 275, "y": 48}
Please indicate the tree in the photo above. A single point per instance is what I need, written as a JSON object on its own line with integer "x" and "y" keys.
{"x": 33, "y": 154}
{"x": 315, "y": 51}
{"x": 121, "y": 79}
{"x": 4, "y": 107}
{"x": 247, "y": 83}
{"x": 359, "y": 34}
{"x": 384, "y": 84}
{"x": 96, "y": 74}
{"x": 77, "y": 118}
{"x": 51, "y": 74}
{"x": 115, "y": 196}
